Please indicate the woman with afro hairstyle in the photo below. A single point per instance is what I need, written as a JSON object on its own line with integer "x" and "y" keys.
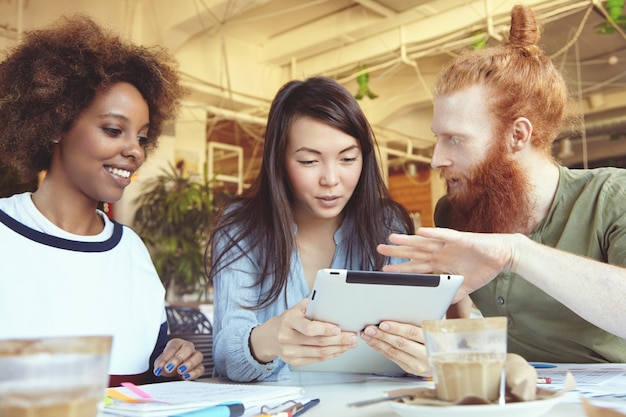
{"x": 81, "y": 104}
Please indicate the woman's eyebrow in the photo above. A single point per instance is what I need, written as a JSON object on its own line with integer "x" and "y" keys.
{"x": 349, "y": 148}
{"x": 121, "y": 117}
{"x": 315, "y": 151}
{"x": 306, "y": 149}
{"x": 114, "y": 115}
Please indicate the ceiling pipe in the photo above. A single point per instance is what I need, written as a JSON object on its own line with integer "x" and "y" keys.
{"x": 20, "y": 20}
{"x": 377, "y": 8}
{"x": 604, "y": 127}
{"x": 403, "y": 56}
{"x": 227, "y": 114}
{"x": 451, "y": 42}
{"x": 293, "y": 66}
{"x": 490, "y": 29}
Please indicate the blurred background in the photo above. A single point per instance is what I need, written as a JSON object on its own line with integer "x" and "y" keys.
{"x": 235, "y": 54}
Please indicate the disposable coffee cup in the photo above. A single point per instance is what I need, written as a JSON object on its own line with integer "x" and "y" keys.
{"x": 53, "y": 377}
{"x": 466, "y": 357}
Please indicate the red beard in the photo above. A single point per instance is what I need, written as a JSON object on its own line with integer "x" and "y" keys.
{"x": 493, "y": 198}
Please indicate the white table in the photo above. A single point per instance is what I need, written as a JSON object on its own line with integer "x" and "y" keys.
{"x": 336, "y": 391}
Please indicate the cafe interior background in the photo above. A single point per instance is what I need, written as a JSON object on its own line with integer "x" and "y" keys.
{"x": 235, "y": 54}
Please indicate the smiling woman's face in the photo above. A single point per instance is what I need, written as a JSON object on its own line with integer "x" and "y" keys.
{"x": 97, "y": 156}
{"x": 324, "y": 166}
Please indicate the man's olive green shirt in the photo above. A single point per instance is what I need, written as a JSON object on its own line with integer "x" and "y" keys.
{"x": 587, "y": 217}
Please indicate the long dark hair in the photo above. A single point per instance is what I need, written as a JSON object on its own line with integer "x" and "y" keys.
{"x": 261, "y": 221}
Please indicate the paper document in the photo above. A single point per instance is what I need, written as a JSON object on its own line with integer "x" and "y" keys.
{"x": 179, "y": 396}
{"x": 595, "y": 374}
{"x": 603, "y": 384}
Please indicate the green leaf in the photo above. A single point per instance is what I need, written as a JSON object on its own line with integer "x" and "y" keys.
{"x": 173, "y": 217}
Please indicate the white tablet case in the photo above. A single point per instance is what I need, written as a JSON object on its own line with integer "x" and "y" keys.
{"x": 354, "y": 299}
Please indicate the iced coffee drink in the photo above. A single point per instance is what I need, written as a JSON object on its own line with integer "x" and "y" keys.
{"x": 56, "y": 377}
{"x": 466, "y": 357}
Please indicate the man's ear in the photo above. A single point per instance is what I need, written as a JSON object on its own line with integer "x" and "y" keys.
{"x": 522, "y": 134}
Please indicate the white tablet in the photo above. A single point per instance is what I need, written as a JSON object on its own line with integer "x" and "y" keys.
{"x": 354, "y": 299}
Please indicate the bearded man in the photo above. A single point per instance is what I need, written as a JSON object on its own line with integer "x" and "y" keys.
{"x": 537, "y": 242}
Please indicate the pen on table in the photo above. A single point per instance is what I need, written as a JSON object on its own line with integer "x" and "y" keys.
{"x": 232, "y": 409}
{"x": 540, "y": 380}
{"x": 542, "y": 365}
{"x": 301, "y": 410}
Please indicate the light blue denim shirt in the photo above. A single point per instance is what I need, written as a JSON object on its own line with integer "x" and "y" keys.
{"x": 232, "y": 325}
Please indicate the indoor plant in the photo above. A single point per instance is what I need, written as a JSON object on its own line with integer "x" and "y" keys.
{"x": 173, "y": 217}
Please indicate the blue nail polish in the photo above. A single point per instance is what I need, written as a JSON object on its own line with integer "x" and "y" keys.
{"x": 158, "y": 371}
{"x": 169, "y": 367}
{"x": 186, "y": 376}
{"x": 182, "y": 369}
